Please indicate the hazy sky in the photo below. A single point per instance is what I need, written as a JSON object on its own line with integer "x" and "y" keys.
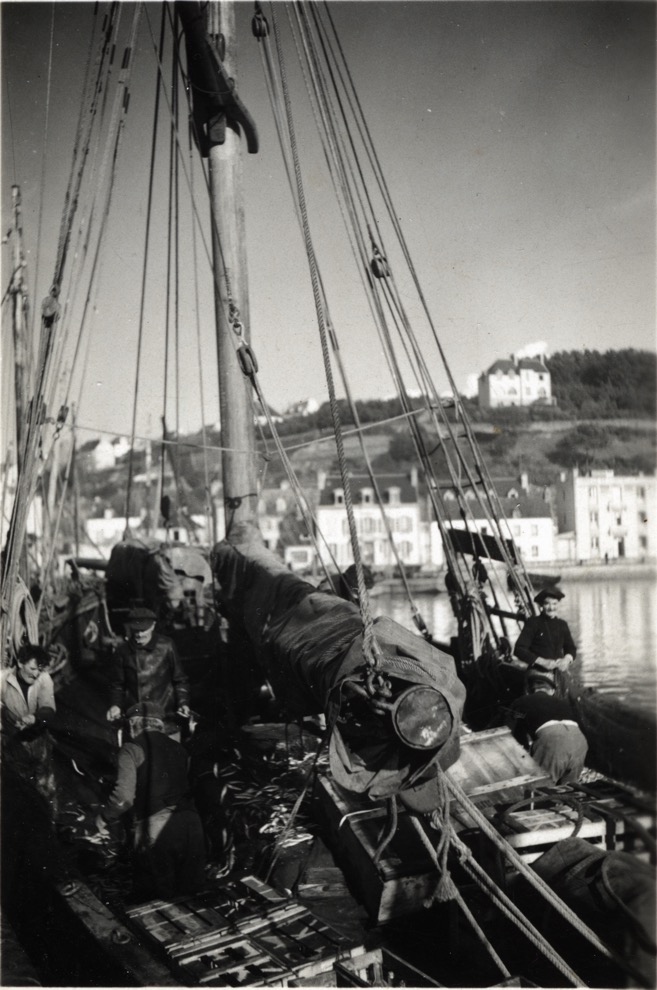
{"x": 518, "y": 140}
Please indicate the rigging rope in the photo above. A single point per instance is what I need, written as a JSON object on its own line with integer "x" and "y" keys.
{"x": 149, "y": 207}
{"x": 370, "y": 647}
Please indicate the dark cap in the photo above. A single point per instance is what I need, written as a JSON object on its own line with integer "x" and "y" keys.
{"x": 548, "y": 593}
{"x": 535, "y": 680}
{"x": 146, "y": 709}
{"x": 140, "y": 619}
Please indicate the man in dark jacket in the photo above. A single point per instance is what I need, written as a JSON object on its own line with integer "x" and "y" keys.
{"x": 546, "y": 726}
{"x": 545, "y": 643}
{"x": 146, "y": 667}
{"x": 152, "y": 783}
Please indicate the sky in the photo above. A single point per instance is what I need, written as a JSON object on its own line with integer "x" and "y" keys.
{"x": 518, "y": 141}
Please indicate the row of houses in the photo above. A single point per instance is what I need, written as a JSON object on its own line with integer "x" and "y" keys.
{"x": 587, "y": 517}
{"x": 597, "y": 516}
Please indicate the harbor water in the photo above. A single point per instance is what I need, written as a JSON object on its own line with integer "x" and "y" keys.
{"x": 613, "y": 623}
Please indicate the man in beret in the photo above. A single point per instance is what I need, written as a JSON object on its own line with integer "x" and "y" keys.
{"x": 547, "y": 727}
{"x": 146, "y": 667}
{"x": 153, "y": 785}
{"x": 545, "y": 643}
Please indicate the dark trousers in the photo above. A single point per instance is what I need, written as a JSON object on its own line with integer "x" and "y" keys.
{"x": 174, "y": 863}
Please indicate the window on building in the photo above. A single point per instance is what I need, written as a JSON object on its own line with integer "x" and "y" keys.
{"x": 595, "y": 543}
{"x": 619, "y": 520}
{"x": 592, "y": 493}
{"x": 593, "y": 516}
{"x": 281, "y": 505}
{"x": 643, "y": 542}
{"x": 642, "y": 518}
{"x": 641, "y": 492}
{"x": 393, "y": 496}
{"x": 449, "y": 496}
{"x": 338, "y": 496}
{"x": 534, "y": 550}
{"x": 367, "y": 496}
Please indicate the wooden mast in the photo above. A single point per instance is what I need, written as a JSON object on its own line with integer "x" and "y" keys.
{"x": 21, "y": 369}
{"x": 231, "y": 287}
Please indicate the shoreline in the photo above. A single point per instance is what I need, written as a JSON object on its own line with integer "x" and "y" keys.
{"x": 567, "y": 571}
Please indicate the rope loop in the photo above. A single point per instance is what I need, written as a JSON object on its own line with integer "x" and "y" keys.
{"x": 234, "y": 315}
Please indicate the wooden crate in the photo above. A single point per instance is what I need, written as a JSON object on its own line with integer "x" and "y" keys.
{"x": 492, "y": 763}
{"x": 243, "y": 934}
{"x": 405, "y": 875}
{"x": 532, "y": 831}
{"x": 630, "y": 817}
{"x": 381, "y": 968}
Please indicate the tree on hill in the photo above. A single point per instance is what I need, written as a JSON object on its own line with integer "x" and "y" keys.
{"x": 593, "y": 385}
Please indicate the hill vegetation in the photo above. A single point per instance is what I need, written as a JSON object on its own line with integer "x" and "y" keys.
{"x": 604, "y": 419}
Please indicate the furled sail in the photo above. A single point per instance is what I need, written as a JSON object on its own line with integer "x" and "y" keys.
{"x": 311, "y": 645}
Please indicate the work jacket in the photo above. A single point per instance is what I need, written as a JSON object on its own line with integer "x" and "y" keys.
{"x": 148, "y": 673}
{"x": 151, "y": 778}
{"x": 544, "y": 636}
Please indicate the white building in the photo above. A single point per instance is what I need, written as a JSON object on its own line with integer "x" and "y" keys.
{"x": 104, "y": 453}
{"x": 304, "y": 407}
{"x": 402, "y": 509}
{"x": 274, "y": 506}
{"x": 610, "y": 516}
{"x": 528, "y": 522}
{"x": 515, "y": 383}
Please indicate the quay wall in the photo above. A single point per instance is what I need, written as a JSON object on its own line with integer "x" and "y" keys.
{"x": 615, "y": 570}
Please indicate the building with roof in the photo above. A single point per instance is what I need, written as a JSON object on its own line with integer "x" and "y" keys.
{"x": 528, "y": 520}
{"x": 510, "y": 382}
{"x": 401, "y": 505}
{"x": 280, "y": 519}
{"x": 608, "y": 516}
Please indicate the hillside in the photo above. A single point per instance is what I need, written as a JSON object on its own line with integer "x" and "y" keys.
{"x": 605, "y": 419}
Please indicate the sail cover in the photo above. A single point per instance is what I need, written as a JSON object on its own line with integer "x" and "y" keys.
{"x": 311, "y": 645}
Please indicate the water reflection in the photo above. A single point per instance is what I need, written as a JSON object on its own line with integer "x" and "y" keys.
{"x": 613, "y": 623}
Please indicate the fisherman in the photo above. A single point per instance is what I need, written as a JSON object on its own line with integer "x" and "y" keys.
{"x": 545, "y": 643}
{"x": 546, "y": 726}
{"x": 146, "y": 667}
{"x": 28, "y": 708}
{"x": 152, "y": 783}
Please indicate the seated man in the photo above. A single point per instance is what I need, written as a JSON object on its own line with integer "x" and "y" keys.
{"x": 546, "y": 726}
{"x": 152, "y": 783}
{"x": 545, "y": 643}
{"x": 27, "y": 708}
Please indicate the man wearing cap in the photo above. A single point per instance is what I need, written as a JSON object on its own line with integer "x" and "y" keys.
{"x": 546, "y": 726}
{"x": 152, "y": 783}
{"x": 146, "y": 667}
{"x": 545, "y": 643}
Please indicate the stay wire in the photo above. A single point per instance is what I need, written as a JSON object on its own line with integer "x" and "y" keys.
{"x": 370, "y": 647}
{"x": 210, "y": 517}
{"x": 149, "y": 207}
{"x": 521, "y": 580}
